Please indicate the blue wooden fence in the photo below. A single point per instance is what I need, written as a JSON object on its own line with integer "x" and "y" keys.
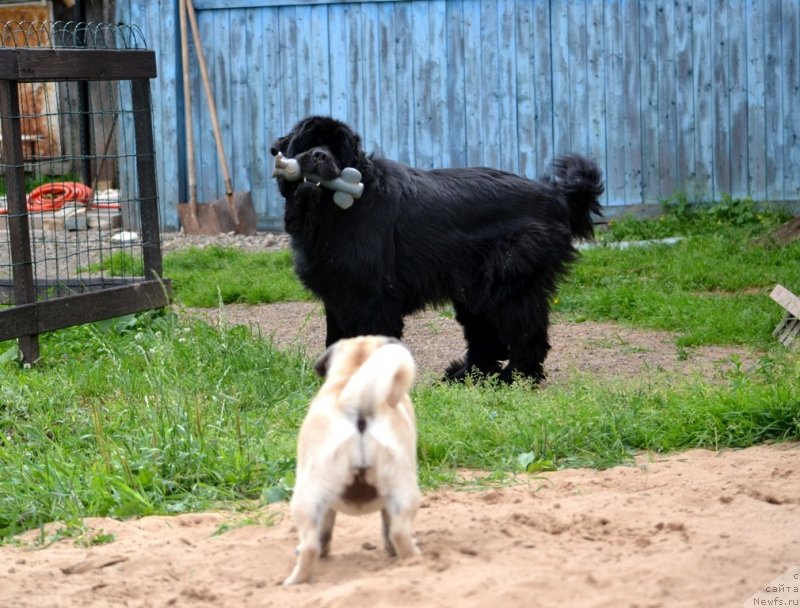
{"x": 700, "y": 97}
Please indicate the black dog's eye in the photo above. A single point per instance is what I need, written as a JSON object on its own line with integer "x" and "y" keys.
{"x": 278, "y": 144}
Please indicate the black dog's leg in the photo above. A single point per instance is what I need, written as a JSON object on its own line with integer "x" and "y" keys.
{"x": 332, "y": 326}
{"x": 367, "y": 319}
{"x": 484, "y": 348}
{"x": 528, "y": 340}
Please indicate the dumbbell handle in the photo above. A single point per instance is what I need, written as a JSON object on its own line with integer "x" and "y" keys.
{"x": 349, "y": 182}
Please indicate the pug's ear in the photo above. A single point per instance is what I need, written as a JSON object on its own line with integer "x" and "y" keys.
{"x": 323, "y": 363}
{"x": 279, "y": 145}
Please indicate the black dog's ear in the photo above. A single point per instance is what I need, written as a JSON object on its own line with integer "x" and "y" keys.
{"x": 323, "y": 363}
{"x": 279, "y": 145}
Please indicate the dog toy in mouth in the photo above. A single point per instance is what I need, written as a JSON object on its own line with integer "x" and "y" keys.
{"x": 346, "y": 187}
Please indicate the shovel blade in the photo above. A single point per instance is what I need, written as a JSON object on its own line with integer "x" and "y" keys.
{"x": 208, "y": 219}
{"x": 243, "y": 213}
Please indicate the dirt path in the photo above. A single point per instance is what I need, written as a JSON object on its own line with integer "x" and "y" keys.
{"x": 603, "y": 349}
{"x": 694, "y": 529}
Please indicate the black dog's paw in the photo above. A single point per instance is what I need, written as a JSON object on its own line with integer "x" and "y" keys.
{"x": 456, "y": 371}
{"x": 460, "y": 369}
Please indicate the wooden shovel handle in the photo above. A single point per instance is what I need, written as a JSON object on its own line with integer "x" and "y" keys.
{"x": 212, "y": 107}
{"x": 187, "y": 102}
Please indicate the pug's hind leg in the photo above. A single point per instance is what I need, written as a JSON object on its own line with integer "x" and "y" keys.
{"x": 387, "y": 542}
{"x": 397, "y": 526}
{"x": 310, "y": 530}
{"x": 326, "y": 532}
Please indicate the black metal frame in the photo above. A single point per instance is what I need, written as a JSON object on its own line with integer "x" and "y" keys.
{"x": 28, "y": 317}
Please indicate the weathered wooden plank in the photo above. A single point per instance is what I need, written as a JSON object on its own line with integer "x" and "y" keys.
{"x": 287, "y": 27}
{"x": 632, "y": 119}
{"x": 773, "y": 102}
{"x": 787, "y": 299}
{"x": 703, "y": 95}
{"x": 596, "y": 115}
{"x": 226, "y": 4}
{"x": 423, "y": 90}
{"x": 253, "y": 171}
{"x": 39, "y": 317}
{"x": 240, "y": 83}
{"x": 302, "y": 58}
{"x": 18, "y": 226}
{"x": 387, "y": 89}
{"x": 205, "y": 148}
{"x": 371, "y": 79}
{"x": 40, "y": 64}
{"x": 543, "y": 94}
{"x": 614, "y": 86}
{"x": 790, "y": 37}
{"x": 439, "y": 73}
{"x": 355, "y": 85}
{"x": 508, "y": 138}
{"x": 273, "y": 114}
{"x": 526, "y": 141}
{"x": 456, "y": 95}
{"x": 756, "y": 120}
{"x": 560, "y": 78}
{"x": 402, "y": 23}
{"x": 320, "y": 58}
{"x": 737, "y": 77}
{"x": 473, "y": 83}
{"x": 720, "y": 90}
{"x": 339, "y": 59}
{"x": 490, "y": 82}
{"x": 665, "y": 89}
{"x": 684, "y": 99}
{"x": 167, "y": 114}
{"x": 649, "y": 102}
{"x": 146, "y": 173}
{"x": 578, "y": 101}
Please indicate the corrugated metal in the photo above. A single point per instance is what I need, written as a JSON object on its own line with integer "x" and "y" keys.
{"x": 694, "y": 96}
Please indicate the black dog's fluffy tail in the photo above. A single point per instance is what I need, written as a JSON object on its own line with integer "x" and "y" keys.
{"x": 581, "y": 182}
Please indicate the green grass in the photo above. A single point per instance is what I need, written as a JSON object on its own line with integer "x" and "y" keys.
{"x": 156, "y": 413}
{"x": 710, "y": 289}
{"x": 213, "y": 275}
{"x": 146, "y": 415}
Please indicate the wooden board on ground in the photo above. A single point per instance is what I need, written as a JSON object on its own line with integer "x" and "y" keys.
{"x": 788, "y": 329}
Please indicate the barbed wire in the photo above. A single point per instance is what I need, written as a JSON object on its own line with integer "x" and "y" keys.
{"x": 70, "y": 34}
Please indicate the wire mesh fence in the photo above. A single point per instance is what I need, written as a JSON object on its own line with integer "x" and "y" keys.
{"x": 77, "y": 168}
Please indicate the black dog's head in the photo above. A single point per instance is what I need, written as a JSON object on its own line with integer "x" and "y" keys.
{"x": 323, "y": 146}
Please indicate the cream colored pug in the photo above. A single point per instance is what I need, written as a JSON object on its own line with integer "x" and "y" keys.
{"x": 357, "y": 449}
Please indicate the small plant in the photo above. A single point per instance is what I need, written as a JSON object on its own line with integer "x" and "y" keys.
{"x": 681, "y": 218}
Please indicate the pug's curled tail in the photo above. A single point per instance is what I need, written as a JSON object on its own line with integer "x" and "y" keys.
{"x": 384, "y": 378}
{"x": 581, "y": 182}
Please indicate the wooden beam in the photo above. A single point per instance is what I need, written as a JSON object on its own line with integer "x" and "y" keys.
{"x": 31, "y": 319}
{"x": 46, "y": 65}
{"x": 787, "y": 299}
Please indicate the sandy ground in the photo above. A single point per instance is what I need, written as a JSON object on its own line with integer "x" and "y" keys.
{"x": 693, "y": 529}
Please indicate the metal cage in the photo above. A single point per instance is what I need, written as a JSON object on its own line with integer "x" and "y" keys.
{"x": 79, "y": 234}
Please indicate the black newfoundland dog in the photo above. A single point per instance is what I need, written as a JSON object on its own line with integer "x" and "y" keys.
{"x": 492, "y": 243}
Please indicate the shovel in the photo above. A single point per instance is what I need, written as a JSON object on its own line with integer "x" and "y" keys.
{"x": 235, "y": 212}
